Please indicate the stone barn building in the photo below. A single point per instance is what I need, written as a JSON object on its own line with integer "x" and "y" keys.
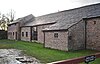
{"x": 28, "y": 28}
{"x": 14, "y": 30}
{"x": 72, "y": 29}
{"x": 75, "y": 29}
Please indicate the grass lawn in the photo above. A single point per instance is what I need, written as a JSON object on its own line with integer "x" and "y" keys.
{"x": 45, "y": 55}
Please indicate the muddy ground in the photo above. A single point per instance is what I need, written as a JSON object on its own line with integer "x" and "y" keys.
{"x": 14, "y": 56}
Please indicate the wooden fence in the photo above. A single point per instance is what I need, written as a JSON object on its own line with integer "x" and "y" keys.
{"x": 75, "y": 60}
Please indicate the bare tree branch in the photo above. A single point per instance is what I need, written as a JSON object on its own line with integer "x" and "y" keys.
{"x": 6, "y": 18}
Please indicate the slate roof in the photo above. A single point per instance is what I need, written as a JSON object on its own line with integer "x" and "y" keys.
{"x": 67, "y": 18}
{"x": 37, "y": 23}
{"x": 62, "y": 19}
{"x": 24, "y": 20}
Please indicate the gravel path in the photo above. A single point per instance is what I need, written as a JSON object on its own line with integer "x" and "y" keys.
{"x": 14, "y": 56}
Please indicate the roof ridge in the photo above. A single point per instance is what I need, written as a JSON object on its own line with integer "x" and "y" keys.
{"x": 70, "y": 9}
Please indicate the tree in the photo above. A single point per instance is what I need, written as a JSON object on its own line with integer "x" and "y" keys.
{"x": 5, "y": 19}
{"x": 10, "y": 16}
{"x": 3, "y": 22}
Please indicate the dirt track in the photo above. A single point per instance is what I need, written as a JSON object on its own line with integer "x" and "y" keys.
{"x": 13, "y": 56}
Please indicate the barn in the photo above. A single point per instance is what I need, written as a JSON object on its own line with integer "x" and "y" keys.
{"x": 77, "y": 29}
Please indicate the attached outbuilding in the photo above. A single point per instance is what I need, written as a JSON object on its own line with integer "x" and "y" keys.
{"x": 14, "y": 28}
{"x": 71, "y": 38}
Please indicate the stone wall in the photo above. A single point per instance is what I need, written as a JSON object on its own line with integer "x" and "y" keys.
{"x": 93, "y": 34}
{"x": 24, "y": 30}
{"x": 13, "y": 31}
{"x": 60, "y": 43}
{"x": 40, "y": 32}
{"x": 76, "y": 36}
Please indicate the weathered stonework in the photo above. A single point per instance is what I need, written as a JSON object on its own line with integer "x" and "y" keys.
{"x": 13, "y": 31}
{"x": 74, "y": 39}
{"x": 93, "y": 34}
{"x": 40, "y": 32}
{"x": 14, "y": 28}
{"x": 60, "y": 43}
{"x": 76, "y": 36}
{"x": 28, "y": 30}
{"x": 82, "y": 35}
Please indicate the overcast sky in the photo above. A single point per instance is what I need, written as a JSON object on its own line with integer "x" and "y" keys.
{"x": 41, "y": 7}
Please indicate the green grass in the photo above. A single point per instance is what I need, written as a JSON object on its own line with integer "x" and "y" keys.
{"x": 45, "y": 55}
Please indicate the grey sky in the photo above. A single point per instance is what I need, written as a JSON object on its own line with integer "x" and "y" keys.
{"x": 41, "y": 7}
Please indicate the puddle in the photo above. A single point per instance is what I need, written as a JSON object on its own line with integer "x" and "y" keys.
{"x": 14, "y": 56}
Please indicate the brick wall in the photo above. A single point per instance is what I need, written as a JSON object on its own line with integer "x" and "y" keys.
{"x": 24, "y": 30}
{"x": 93, "y": 34}
{"x": 60, "y": 43}
{"x": 76, "y": 36}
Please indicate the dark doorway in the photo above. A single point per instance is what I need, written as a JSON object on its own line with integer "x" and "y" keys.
{"x": 34, "y": 35}
{"x": 16, "y": 36}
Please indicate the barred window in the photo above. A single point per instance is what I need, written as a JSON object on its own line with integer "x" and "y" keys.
{"x": 94, "y": 22}
{"x": 56, "y": 35}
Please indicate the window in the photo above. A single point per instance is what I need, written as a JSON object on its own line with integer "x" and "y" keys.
{"x": 13, "y": 33}
{"x": 94, "y": 22}
{"x": 35, "y": 35}
{"x": 56, "y": 35}
{"x": 26, "y": 34}
{"x": 22, "y": 33}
